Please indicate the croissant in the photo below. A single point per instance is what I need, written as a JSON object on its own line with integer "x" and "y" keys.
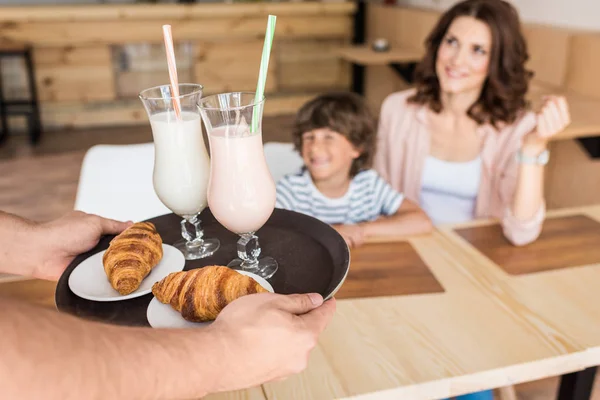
{"x": 131, "y": 256}
{"x": 200, "y": 294}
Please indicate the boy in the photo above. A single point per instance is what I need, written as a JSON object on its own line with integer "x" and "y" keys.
{"x": 335, "y": 135}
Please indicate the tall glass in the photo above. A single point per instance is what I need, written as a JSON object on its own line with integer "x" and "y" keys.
{"x": 181, "y": 163}
{"x": 241, "y": 192}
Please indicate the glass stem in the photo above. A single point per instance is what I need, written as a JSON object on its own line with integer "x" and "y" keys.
{"x": 192, "y": 232}
{"x": 248, "y": 248}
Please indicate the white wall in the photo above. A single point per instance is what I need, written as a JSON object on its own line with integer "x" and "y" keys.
{"x": 582, "y": 14}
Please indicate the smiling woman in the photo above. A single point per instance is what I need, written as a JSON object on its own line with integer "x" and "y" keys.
{"x": 463, "y": 143}
{"x": 477, "y": 51}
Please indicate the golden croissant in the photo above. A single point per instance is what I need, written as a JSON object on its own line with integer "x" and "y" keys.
{"x": 131, "y": 256}
{"x": 200, "y": 294}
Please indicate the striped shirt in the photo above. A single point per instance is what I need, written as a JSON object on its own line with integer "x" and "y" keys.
{"x": 368, "y": 197}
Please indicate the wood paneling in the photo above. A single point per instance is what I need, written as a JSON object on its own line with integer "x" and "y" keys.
{"x": 549, "y": 53}
{"x": 311, "y": 65}
{"x": 232, "y": 66}
{"x": 130, "y": 83}
{"x": 387, "y": 269}
{"x": 75, "y": 74}
{"x": 565, "y": 242}
{"x": 75, "y": 83}
{"x": 78, "y": 60}
{"x": 584, "y": 64}
{"x": 381, "y": 82}
{"x": 414, "y": 25}
{"x": 308, "y": 75}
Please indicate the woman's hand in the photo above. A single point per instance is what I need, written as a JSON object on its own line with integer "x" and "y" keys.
{"x": 552, "y": 119}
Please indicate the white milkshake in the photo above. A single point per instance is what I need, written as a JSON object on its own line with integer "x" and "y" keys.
{"x": 181, "y": 165}
{"x": 241, "y": 194}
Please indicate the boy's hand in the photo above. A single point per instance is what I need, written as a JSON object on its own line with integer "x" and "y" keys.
{"x": 354, "y": 235}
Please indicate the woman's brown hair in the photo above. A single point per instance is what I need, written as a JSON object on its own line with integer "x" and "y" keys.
{"x": 344, "y": 113}
{"x": 503, "y": 93}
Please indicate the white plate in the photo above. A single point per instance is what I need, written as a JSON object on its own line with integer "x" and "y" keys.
{"x": 89, "y": 281}
{"x": 161, "y": 315}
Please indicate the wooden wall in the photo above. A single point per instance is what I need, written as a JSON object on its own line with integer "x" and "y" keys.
{"x": 78, "y": 53}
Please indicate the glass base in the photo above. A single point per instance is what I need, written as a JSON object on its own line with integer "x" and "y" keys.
{"x": 191, "y": 251}
{"x": 264, "y": 267}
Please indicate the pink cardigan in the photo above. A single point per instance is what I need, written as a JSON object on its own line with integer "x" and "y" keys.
{"x": 403, "y": 144}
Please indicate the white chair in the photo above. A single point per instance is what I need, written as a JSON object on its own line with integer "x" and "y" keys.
{"x": 282, "y": 159}
{"x": 116, "y": 182}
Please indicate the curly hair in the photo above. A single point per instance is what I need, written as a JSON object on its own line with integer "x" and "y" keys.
{"x": 344, "y": 113}
{"x": 503, "y": 94}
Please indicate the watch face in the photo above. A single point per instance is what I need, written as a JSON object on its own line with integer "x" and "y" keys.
{"x": 541, "y": 159}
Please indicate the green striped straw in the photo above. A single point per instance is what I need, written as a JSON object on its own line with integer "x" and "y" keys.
{"x": 264, "y": 66}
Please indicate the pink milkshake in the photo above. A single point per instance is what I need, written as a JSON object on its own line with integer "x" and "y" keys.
{"x": 241, "y": 193}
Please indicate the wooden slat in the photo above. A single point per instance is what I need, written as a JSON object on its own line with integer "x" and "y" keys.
{"x": 124, "y": 12}
{"x": 61, "y": 56}
{"x": 47, "y": 34}
{"x": 228, "y": 66}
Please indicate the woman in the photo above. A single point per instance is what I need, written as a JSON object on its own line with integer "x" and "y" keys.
{"x": 462, "y": 144}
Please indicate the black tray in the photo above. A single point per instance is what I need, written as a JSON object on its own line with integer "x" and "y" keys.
{"x": 312, "y": 257}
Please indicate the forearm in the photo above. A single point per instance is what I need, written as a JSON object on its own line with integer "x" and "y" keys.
{"x": 17, "y": 245}
{"x": 54, "y": 356}
{"x": 400, "y": 224}
{"x": 529, "y": 193}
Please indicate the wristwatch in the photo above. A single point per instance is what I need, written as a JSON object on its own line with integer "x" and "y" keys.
{"x": 540, "y": 159}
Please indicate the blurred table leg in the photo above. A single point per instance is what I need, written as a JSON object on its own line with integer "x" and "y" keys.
{"x": 577, "y": 385}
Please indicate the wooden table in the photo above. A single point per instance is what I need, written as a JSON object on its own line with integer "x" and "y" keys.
{"x": 463, "y": 324}
{"x": 552, "y": 284}
{"x": 475, "y": 335}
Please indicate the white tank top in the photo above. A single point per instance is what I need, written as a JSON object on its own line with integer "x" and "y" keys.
{"x": 449, "y": 190}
